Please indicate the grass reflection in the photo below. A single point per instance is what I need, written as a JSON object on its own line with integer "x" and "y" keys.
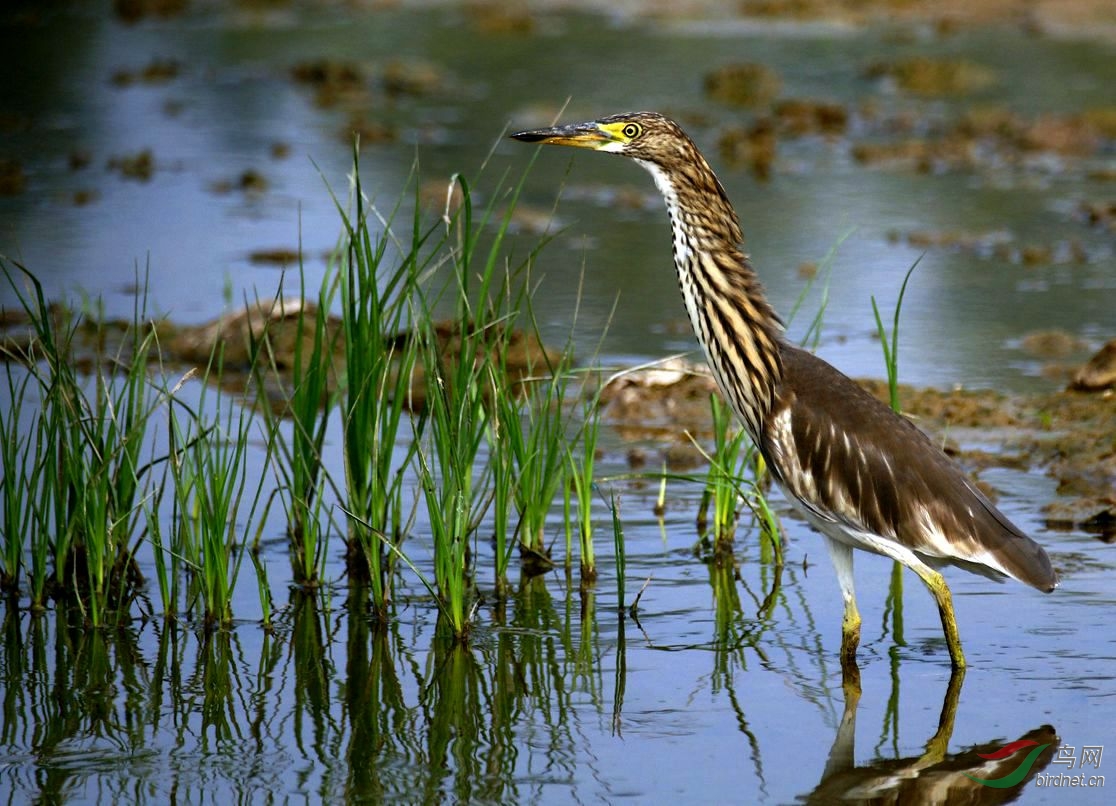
{"x": 340, "y": 705}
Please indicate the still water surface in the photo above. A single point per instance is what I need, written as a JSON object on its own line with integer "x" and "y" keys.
{"x": 557, "y": 698}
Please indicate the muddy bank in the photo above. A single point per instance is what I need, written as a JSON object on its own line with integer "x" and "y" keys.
{"x": 259, "y": 343}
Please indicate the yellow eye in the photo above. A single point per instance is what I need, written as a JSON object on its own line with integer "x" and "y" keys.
{"x": 632, "y": 131}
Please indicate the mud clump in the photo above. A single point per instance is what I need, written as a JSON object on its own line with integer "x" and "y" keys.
{"x": 369, "y": 132}
{"x": 139, "y": 166}
{"x": 751, "y": 146}
{"x": 1099, "y": 373}
{"x": 413, "y": 79}
{"x": 157, "y": 71}
{"x": 274, "y": 332}
{"x": 499, "y": 18}
{"x": 743, "y": 84}
{"x": 331, "y": 81}
{"x": 280, "y": 256}
{"x": 799, "y": 117}
{"x": 1051, "y": 343}
{"x": 1099, "y": 214}
{"x": 249, "y": 181}
{"x": 132, "y": 11}
{"x": 925, "y": 76}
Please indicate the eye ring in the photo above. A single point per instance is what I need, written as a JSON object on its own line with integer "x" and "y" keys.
{"x": 632, "y": 130}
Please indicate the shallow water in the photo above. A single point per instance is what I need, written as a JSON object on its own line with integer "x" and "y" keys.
{"x": 556, "y": 698}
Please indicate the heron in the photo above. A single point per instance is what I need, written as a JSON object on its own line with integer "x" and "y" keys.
{"x": 861, "y": 475}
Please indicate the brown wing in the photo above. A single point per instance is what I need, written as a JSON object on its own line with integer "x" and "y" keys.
{"x": 851, "y": 459}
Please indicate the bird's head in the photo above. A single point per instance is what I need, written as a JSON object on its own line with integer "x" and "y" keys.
{"x": 645, "y": 136}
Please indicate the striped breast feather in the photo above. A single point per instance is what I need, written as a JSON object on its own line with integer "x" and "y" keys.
{"x": 851, "y": 460}
{"x": 738, "y": 329}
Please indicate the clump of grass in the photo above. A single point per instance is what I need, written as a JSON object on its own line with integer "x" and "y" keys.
{"x": 89, "y": 500}
{"x": 457, "y": 420}
{"x": 208, "y": 461}
{"x": 379, "y": 368}
{"x": 457, "y": 415}
{"x": 90, "y": 518}
{"x": 582, "y": 477}
{"x": 307, "y": 404}
{"x": 529, "y": 451}
{"x": 504, "y": 482}
{"x": 167, "y": 552}
{"x": 891, "y": 351}
{"x": 19, "y": 479}
{"x": 620, "y": 553}
{"x": 727, "y": 465}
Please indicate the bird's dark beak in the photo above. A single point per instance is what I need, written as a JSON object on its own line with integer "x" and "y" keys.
{"x": 579, "y": 135}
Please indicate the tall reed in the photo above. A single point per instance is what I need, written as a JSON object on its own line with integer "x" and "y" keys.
{"x": 21, "y": 467}
{"x": 890, "y": 347}
{"x": 464, "y": 386}
{"x": 582, "y": 463}
{"x": 454, "y": 421}
{"x": 727, "y": 466}
{"x": 531, "y": 436}
{"x": 379, "y": 369}
{"x": 307, "y": 400}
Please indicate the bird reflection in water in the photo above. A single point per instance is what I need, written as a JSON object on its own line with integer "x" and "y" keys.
{"x": 981, "y": 774}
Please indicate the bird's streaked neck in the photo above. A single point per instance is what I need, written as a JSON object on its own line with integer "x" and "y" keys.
{"x": 731, "y": 317}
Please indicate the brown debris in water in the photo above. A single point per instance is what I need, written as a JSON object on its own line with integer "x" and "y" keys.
{"x": 500, "y": 17}
{"x": 1077, "y": 18}
{"x": 984, "y": 137}
{"x": 997, "y": 245}
{"x": 1099, "y": 213}
{"x": 370, "y": 132}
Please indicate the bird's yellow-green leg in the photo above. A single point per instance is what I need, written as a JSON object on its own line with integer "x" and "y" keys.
{"x": 841, "y": 555}
{"x": 937, "y": 585}
{"x": 850, "y": 632}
